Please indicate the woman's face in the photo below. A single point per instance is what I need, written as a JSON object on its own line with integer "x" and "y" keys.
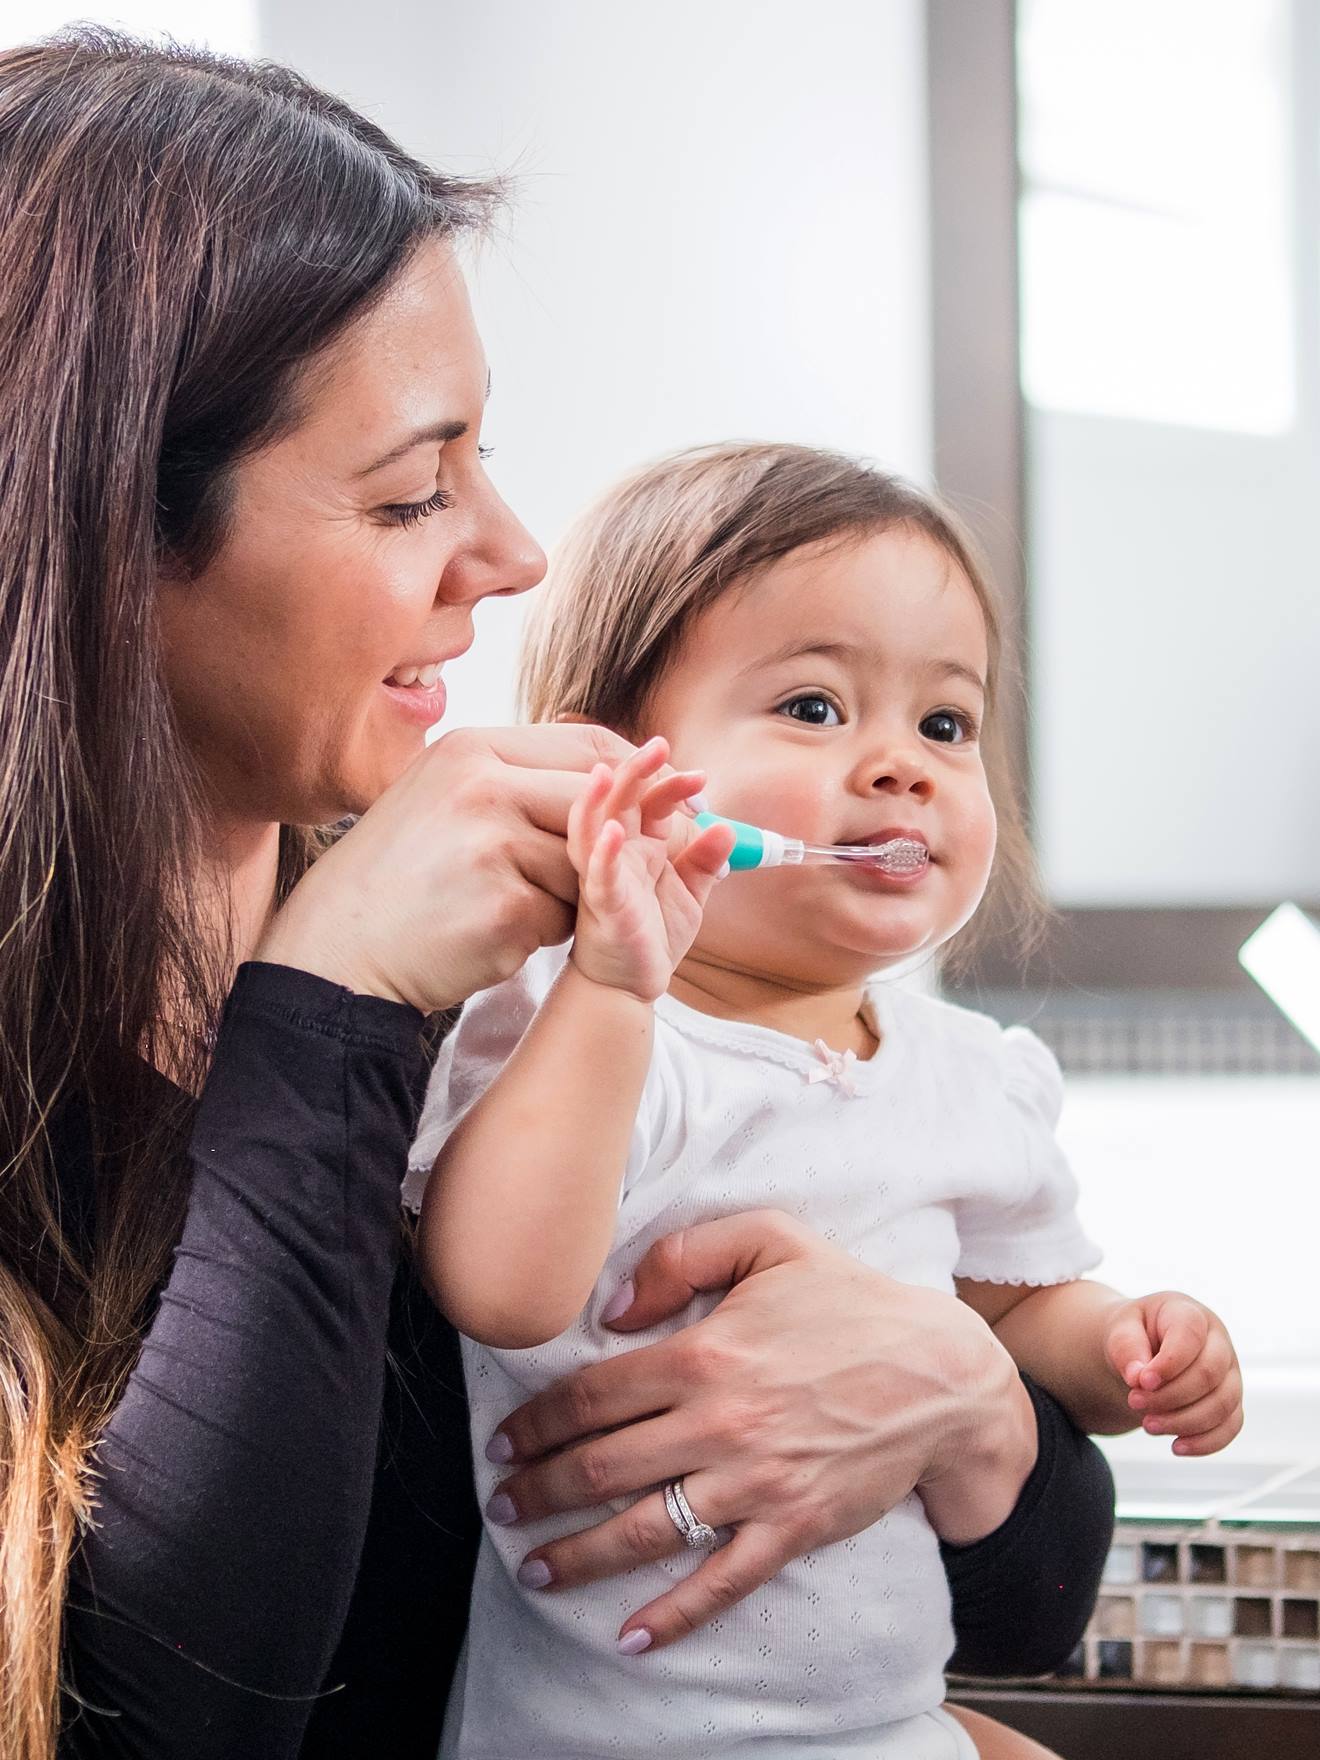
{"x": 359, "y": 545}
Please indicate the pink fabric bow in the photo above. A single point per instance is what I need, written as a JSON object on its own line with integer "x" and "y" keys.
{"x": 836, "y": 1067}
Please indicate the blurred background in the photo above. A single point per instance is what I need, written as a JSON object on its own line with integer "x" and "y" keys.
{"x": 1063, "y": 259}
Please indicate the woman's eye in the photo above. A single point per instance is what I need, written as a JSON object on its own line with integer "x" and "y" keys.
{"x": 816, "y": 711}
{"x": 947, "y": 728}
{"x": 411, "y": 513}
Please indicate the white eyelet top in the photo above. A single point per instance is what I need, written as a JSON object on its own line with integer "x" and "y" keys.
{"x": 935, "y": 1157}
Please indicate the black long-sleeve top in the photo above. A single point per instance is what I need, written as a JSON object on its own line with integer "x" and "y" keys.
{"x": 286, "y": 1531}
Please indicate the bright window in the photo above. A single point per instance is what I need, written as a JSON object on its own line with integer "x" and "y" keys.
{"x": 1156, "y": 263}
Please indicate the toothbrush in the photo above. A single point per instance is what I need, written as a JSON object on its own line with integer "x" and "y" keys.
{"x": 755, "y": 847}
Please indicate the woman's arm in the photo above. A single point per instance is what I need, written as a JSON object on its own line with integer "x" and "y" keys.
{"x": 520, "y": 1209}
{"x": 885, "y": 1389}
{"x": 234, "y": 1479}
{"x": 1022, "y": 1595}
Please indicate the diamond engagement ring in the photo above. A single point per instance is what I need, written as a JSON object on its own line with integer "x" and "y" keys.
{"x": 696, "y": 1533}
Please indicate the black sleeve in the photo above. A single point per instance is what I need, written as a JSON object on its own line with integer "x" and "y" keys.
{"x": 1022, "y": 1596}
{"x": 235, "y": 1477}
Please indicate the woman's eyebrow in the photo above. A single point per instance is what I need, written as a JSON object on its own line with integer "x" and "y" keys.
{"x": 434, "y": 431}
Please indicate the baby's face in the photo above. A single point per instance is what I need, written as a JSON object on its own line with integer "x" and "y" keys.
{"x": 838, "y": 698}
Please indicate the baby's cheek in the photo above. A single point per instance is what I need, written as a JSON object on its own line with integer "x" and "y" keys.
{"x": 794, "y": 805}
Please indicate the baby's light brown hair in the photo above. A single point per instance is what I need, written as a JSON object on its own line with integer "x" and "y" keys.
{"x": 660, "y": 548}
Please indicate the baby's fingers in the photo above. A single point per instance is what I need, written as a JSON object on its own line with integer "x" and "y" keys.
{"x": 1181, "y": 1326}
{"x": 1127, "y": 1347}
{"x": 1206, "y": 1373}
{"x": 1206, "y": 1425}
{"x": 754, "y": 1555}
{"x": 664, "y": 795}
{"x": 633, "y": 777}
{"x": 586, "y": 817}
{"x": 603, "y": 886}
{"x": 703, "y": 861}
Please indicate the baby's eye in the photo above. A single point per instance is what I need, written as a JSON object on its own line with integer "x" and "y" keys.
{"x": 814, "y": 709}
{"x": 947, "y": 727}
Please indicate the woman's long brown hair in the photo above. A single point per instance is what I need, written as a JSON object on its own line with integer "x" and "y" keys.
{"x": 179, "y": 233}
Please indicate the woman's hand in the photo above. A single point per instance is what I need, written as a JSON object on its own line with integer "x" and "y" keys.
{"x": 455, "y": 875}
{"x": 815, "y": 1398}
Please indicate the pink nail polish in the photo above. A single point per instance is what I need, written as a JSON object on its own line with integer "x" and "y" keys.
{"x": 499, "y": 1449}
{"x": 634, "y": 1642}
{"x": 534, "y": 1573}
{"x": 619, "y": 1302}
{"x": 502, "y": 1510}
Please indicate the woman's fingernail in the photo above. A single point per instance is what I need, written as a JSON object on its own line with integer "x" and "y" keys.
{"x": 502, "y": 1510}
{"x": 634, "y": 1642}
{"x": 724, "y": 872}
{"x": 499, "y": 1449}
{"x": 698, "y": 803}
{"x": 534, "y": 1573}
{"x": 619, "y": 1302}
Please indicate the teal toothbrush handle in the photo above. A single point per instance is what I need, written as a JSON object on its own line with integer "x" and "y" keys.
{"x": 749, "y": 841}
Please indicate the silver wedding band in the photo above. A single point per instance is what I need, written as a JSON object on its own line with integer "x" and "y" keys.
{"x": 695, "y": 1532}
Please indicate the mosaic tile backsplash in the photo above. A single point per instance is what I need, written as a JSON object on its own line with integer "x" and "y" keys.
{"x": 1208, "y": 1607}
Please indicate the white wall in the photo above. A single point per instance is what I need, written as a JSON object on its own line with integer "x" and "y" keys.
{"x": 719, "y": 227}
{"x": 1176, "y": 638}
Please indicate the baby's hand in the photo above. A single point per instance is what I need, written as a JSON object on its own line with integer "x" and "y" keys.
{"x": 1179, "y": 1362}
{"x": 638, "y": 910}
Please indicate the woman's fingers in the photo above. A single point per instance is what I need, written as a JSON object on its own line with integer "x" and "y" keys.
{"x": 618, "y": 1390}
{"x": 640, "y": 1534}
{"x": 546, "y": 745}
{"x": 709, "y": 1256}
{"x": 592, "y": 1472}
{"x": 754, "y": 1555}
{"x": 644, "y": 1534}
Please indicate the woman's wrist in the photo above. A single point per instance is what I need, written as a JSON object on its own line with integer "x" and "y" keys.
{"x": 988, "y": 1449}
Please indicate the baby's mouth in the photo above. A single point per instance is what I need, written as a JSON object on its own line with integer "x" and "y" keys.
{"x": 899, "y": 855}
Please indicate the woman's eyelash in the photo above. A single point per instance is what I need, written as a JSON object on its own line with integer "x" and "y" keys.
{"x": 485, "y": 452}
{"x": 411, "y": 513}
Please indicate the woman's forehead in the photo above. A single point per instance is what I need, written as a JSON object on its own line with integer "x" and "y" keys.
{"x": 410, "y": 369}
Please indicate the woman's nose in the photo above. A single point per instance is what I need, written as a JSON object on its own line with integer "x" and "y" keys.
{"x": 502, "y": 559}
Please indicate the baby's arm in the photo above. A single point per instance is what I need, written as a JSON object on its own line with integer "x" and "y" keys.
{"x": 1164, "y": 1361}
{"x": 520, "y": 1208}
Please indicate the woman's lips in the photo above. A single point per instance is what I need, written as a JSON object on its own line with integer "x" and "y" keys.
{"x": 424, "y": 704}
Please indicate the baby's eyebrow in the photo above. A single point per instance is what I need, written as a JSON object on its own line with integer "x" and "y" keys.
{"x": 849, "y": 651}
{"x": 798, "y": 650}
{"x": 956, "y": 669}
